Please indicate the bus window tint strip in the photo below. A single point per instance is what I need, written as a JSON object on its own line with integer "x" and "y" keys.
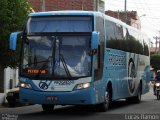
{"x": 59, "y": 24}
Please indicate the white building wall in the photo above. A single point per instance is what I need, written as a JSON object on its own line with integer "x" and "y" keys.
{"x": 10, "y": 79}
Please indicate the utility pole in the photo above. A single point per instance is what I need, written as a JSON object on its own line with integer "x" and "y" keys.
{"x": 157, "y": 42}
{"x": 43, "y": 5}
{"x": 125, "y": 5}
{"x": 125, "y": 10}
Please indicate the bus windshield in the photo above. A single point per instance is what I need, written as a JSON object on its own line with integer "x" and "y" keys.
{"x": 56, "y": 57}
{"x": 59, "y": 24}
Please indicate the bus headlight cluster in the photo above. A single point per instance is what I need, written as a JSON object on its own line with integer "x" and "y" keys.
{"x": 25, "y": 85}
{"x": 82, "y": 86}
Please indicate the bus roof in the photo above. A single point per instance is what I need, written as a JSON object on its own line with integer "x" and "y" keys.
{"x": 50, "y": 13}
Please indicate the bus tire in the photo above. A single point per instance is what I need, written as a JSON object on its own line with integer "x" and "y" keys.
{"x": 136, "y": 99}
{"x": 11, "y": 104}
{"x": 103, "y": 107}
{"x": 47, "y": 107}
{"x": 158, "y": 95}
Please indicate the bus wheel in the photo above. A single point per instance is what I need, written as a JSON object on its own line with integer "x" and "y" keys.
{"x": 137, "y": 99}
{"x": 103, "y": 107}
{"x": 158, "y": 95}
{"x": 48, "y": 107}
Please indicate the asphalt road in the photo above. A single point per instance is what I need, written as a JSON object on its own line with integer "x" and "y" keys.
{"x": 148, "y": 109}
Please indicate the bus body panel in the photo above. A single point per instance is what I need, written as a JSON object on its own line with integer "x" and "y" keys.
{"x": 116, "y": 71}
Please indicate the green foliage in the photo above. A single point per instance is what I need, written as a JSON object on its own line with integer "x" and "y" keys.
{"x": 13, "y": 14}
{"x": 155, "y": 62}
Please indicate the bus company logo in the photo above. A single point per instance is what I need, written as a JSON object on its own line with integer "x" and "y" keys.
{"x": 131, "y": 76}
{"x": 43, "y": 85}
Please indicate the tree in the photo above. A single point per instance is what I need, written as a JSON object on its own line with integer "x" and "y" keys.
{"x": 13, "y": 14}
{"x": 12, "y": 18}
{"x": 155, "y": 62}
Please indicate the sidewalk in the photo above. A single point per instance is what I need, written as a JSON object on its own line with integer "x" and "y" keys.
{"x": 2, "y": 98}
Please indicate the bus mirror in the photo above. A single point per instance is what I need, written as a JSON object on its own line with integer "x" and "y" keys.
{"x": 13, "y": 40}
{"x": 95, "y": 39}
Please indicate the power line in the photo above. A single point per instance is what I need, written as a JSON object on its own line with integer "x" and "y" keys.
{"x": 153, "y": 17}
{"x": 147, "y": 10}
{"x": 115, "y": 3}
{"x": 133, "y": 2}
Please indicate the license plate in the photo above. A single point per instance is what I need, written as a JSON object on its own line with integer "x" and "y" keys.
{"x": 52, "y": 98}
{"x": 68, "y": 82}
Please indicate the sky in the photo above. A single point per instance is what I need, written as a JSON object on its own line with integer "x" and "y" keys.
{"x": 149, "y": 10}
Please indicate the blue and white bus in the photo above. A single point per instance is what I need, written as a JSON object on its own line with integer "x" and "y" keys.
{"x": 81, "y": 58}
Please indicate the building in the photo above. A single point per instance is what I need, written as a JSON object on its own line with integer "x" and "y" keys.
{"x": 55, "y": 5}
{"x": 154, "y": 50}
{"x": 86, "y": 5}
{"x": 10, "y": 81}
{"x": 131, "y": 17}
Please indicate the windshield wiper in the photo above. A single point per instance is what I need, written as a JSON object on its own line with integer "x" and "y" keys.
{"x": 57, "y": 46}
{"x": 65, "y": 65}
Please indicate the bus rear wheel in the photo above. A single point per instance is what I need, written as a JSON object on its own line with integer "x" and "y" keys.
{"x": 47, "y": 107}
{"x": 136, "y": 99}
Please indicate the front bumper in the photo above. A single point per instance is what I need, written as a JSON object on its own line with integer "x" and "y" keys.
{"x": 77, "y": 97}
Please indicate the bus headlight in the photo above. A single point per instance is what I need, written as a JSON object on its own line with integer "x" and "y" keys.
{"x": 157, "y": 84}
{"x": 25, "y": 85}
{"x": 82, "y": 86}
